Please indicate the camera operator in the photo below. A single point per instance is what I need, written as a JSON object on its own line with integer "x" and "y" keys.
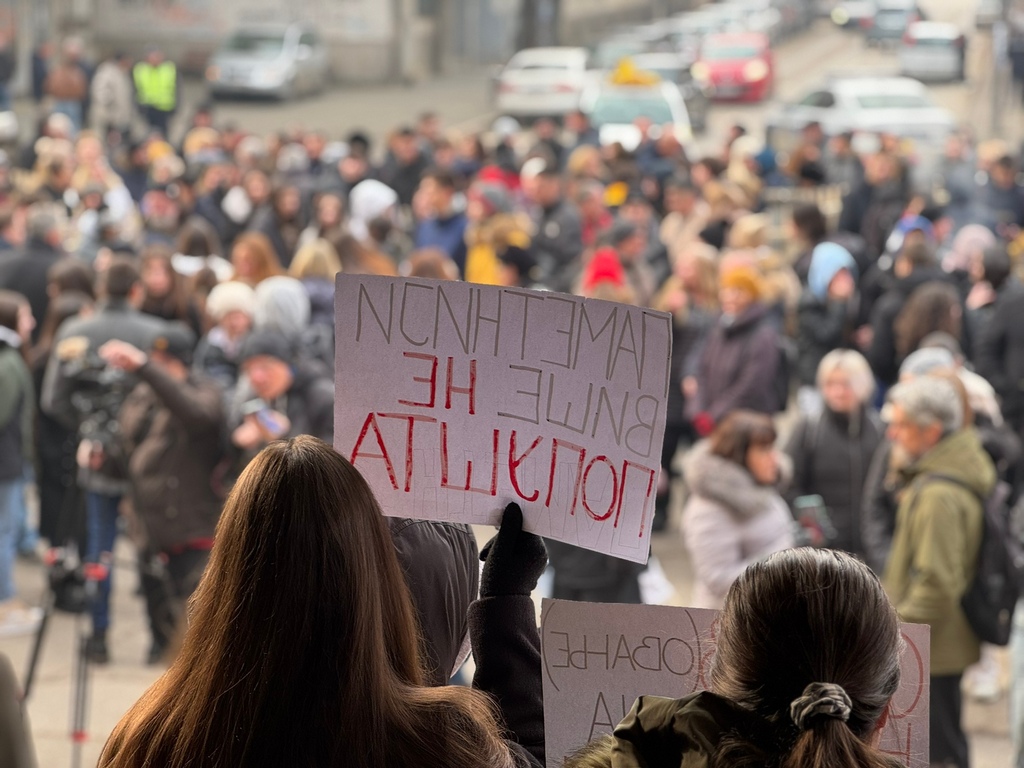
{"x": 281, "y": 394}
{"x": 81, "y": 392}
{"x": 172, "y": 428}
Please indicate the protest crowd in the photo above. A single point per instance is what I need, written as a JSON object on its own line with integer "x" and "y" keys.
{"x": 843, "y": 377}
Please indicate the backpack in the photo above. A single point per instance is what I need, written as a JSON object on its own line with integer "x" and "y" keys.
{"x": 782, "y": 383}
{"x": 992, "y": 595}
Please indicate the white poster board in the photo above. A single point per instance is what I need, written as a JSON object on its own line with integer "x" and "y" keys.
{"x": 454, "y": 399}
{"x": 598, "y": 658}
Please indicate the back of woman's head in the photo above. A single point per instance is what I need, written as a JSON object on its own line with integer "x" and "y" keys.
{"x": 932, "y": 307}
{"x": 302, "y": 646}
{"x": 317, "y": 259}
{"x": 739, "y": 432}
{"x": 809, "y": 642}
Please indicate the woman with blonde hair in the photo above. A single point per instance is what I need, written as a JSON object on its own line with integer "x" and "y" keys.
{"x": 302, "y": 646}
{"x": 254, "y": 259}
{"x": 316, "y": 265}
{"x": 832, "y": 448}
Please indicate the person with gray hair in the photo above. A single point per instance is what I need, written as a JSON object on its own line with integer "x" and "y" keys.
{"x": 832, "y": 447}
{"x": 937, "y": 539}
{"x": 25, "y": 273}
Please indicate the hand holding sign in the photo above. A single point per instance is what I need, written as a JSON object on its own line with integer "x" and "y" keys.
{"x": 456, "y": 399}
{"x": 513, "y": 560}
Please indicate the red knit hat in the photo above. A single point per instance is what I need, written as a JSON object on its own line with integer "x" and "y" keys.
{"x": 604, "y": 267}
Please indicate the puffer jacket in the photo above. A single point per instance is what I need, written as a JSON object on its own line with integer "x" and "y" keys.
{"x": 174, "y": 437}
{"x": 935, "y": 546}
{"x": 729, "y": 522}
{"x": 831, "y": 455}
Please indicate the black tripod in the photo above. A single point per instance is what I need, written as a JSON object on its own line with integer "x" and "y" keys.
{"x": 92, "y": 574}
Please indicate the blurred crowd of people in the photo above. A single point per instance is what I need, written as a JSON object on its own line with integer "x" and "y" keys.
{"x": 166, "y": 312}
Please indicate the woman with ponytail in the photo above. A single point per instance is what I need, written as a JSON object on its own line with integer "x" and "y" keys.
{"x": 807, "y": 660}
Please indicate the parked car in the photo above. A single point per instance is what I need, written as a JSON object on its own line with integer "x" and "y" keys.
{"x": 988, "y": 12}
{"x": 868, "y": 106}
{"x": 738, "y": 66}
{"x": 690, "y": 29}
{"x": 617, "y": 102}
{"x": 755, "y": 16}
{"x": 674, "y": 68}
{"x": 607, "y": 54}
{"x": 277, "y": 60}
{"x": 890, "y": 22}
{"x": 542, "y": 82}
{"x": 933, "y": 50}
{"x": 853, "y": 14}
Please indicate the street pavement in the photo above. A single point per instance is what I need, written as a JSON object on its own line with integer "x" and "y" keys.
{"x": 462, "y": 102}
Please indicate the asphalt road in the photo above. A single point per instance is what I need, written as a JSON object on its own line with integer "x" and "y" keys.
{"x": 462, "y": 102}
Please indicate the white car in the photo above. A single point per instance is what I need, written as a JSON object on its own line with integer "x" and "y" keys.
{"x": 933, "y": 50}
{"x": 542, "y": 82}
{"x": 614, "y": 109}
{"x": 988, "y": 12}
{"x": 896, "y": 105}
{"x": 276, "y": 60}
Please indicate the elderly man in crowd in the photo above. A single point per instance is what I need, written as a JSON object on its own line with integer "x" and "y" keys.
{"x": 936, "y": 542}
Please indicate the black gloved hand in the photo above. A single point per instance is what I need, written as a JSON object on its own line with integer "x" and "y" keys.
{"x": 514, "y": 559}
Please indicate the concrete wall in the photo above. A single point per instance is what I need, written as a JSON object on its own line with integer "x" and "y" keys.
{"x": 358, "y": 32}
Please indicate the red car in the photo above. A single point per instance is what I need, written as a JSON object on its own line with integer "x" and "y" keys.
{"x": 737, "y": 65}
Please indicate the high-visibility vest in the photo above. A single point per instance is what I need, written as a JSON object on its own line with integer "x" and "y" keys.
{"x": 156, "y": 86}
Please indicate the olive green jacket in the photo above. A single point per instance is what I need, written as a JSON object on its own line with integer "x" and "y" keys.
{"x": 935, "y": 546}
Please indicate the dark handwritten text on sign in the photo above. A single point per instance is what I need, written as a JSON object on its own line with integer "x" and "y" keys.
{"x": 454, "y": 399}
{"x": 599, "y": 658}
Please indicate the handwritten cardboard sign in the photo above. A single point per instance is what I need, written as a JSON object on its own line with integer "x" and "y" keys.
{"x": 454, "y": 399}
{"x": 598, "y": 658}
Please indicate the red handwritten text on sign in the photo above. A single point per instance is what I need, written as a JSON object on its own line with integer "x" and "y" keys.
{"x": 455, "y": 399}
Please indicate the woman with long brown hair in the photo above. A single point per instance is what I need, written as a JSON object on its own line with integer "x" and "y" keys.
{"x": 806, "y": 663}
{"x": 166, "y": 294}
{"x": 254, "y": 259}
{"x": 302, "y": 647}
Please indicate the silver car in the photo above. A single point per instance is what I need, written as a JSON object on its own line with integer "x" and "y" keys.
{"x": 932, "y": 50}
{"x": 276, "y": 60}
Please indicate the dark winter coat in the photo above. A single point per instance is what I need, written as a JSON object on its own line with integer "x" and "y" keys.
{"x": 506, "y": 648}
{"x": 25, "y": 273}
{"x": 878, "y": 508}
{"x": 79, "y": 341}
{"x": 174, "y": 437}
{"x": 831, "y": 454}
{"x": 310, "y": 403}
{"x": 321, "y": 301}
{"x": 442, "y": 569}
{"x": 217, "y": 357}
{"x": 999, "y": 353}
{"x": 557, "y": 245}
{"x": 738, "y": 366}
{"x": 822, "y": 327}
{"x": 882, "y": 355}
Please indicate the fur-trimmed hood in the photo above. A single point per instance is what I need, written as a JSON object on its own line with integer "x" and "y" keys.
{"x": 728, "y": 484}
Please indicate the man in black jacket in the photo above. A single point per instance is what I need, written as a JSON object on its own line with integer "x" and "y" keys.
{"x": 80, "y": 392}
{"x": 1000, "y": 351}
{"x": 171, "y": 426}
{"x": 558, "y": 243}
{"x": 25, "y": 273}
